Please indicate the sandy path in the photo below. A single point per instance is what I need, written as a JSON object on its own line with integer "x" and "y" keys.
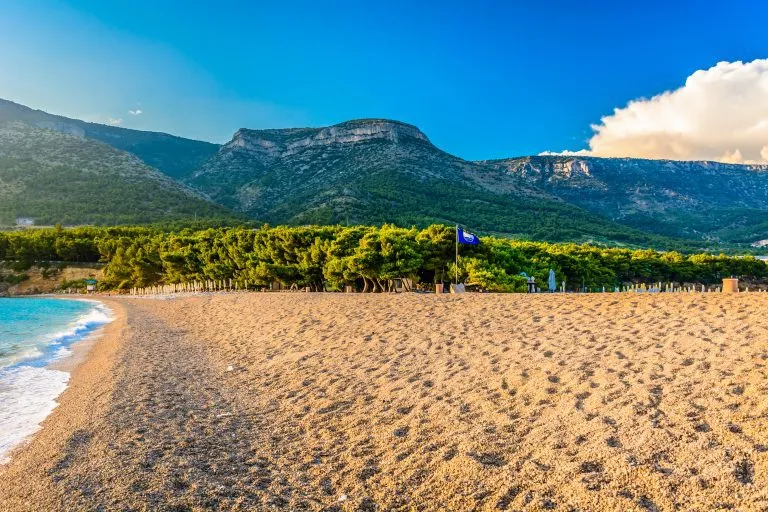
{"x": 478, "y": 402}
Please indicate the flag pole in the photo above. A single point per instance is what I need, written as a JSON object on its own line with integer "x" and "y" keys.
{"x": 457, "y": 254}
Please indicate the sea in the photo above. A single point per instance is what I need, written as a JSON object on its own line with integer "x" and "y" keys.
{"x": 34, "y": 332}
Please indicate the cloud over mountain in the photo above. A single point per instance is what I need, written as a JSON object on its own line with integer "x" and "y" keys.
{"x": 720, "y": 114}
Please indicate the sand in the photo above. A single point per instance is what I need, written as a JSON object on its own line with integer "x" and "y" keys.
{"x": 293, "y": 401}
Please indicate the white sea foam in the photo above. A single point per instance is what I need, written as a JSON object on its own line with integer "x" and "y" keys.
{"x": 75, "y": 331}
{"x": 31, "y": 353}
{"x": 62, "y": 353}
{"x": 27, "y": 395}
{"x": 28, "y": 391}
{"x": 96, "y": 317}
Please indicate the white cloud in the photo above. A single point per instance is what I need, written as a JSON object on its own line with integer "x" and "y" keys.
{"x": 114, "y": 121}
{"x": 721, "y": 114}
{"x": 581, "y": 152}
{"x": 136, "y": 112}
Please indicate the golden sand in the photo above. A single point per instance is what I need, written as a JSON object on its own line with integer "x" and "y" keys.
{"x": 412, "y": 402}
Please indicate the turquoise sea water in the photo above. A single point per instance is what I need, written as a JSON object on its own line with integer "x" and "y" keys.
{"x": 33, "y": 333}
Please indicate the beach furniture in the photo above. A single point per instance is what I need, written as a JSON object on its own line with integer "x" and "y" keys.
{"x": 402, "y": 284}
{"x": 730, "y": 285}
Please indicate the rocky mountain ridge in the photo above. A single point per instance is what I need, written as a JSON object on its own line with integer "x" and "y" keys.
{"x": 561, "y": 167}
{"x": 679, "y": 198}
{"x": 282, "y": 143}
{"x": 379, "y": 170}
{"x": 376, "y": 171}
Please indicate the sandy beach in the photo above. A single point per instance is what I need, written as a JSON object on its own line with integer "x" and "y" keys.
{"x": 294, "y": 401}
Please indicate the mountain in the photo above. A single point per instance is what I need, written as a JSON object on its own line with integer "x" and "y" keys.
{"x": 373, "y": 171}
{"x": 695, "y": 200}
{"x": 51, "y": 176}
{"x": 175, "y": 156}
{"x": 367, "y": 171}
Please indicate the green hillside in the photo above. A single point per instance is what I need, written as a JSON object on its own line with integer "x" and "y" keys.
{"x": 377, "y": 171}
{"x": 370, "y": 171}
{"x": 175, "y": 156}
{"x": 697, "y": 200}
{"x": 53, "y": 177}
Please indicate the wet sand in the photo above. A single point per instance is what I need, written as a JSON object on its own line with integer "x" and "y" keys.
{"x": 293, "y": 401}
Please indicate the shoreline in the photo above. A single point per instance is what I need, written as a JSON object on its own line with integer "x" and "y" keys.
{"x": 79, "y": 352}
{"x": 93, "y": 351}
{"x": 31, "y": 386}
{"x": 82, "y": 347}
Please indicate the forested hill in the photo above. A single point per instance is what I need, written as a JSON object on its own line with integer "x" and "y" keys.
{"x": 697, "y": 200}
{"x": 53, "y": 177}
{"x": 374, "y": 171}
{"x": 371, "y": 171}
{"x": 174, "y": 156}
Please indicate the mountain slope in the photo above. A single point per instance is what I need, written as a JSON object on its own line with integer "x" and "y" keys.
{"x": 705, "y": 200}
{"x": 369, "y": 171}
{"x": 374, "y": 171}
{"x": 52, "y": 177}
{"x": 175, "y": 156}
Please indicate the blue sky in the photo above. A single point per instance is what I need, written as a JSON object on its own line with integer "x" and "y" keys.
{"x": 481, "y": 79}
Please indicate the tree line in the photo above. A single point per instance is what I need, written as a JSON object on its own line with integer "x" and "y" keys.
{"x": 368, "y": 257}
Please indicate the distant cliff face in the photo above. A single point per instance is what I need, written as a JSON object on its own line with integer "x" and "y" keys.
{"x": 692, "y": 199}
{"x": 376, "y": 171}
{"x": 283, "y": 143}
{"x": 570, "y": 173}
{"x": 261, "y": 171}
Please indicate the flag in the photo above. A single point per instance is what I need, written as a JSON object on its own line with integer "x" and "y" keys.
{"x": 465, "y": 237}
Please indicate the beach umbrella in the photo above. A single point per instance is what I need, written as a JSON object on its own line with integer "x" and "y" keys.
{"x": 552, "y": 282}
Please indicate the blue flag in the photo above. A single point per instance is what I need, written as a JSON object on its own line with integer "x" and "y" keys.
{"x": 465, "y": 237}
